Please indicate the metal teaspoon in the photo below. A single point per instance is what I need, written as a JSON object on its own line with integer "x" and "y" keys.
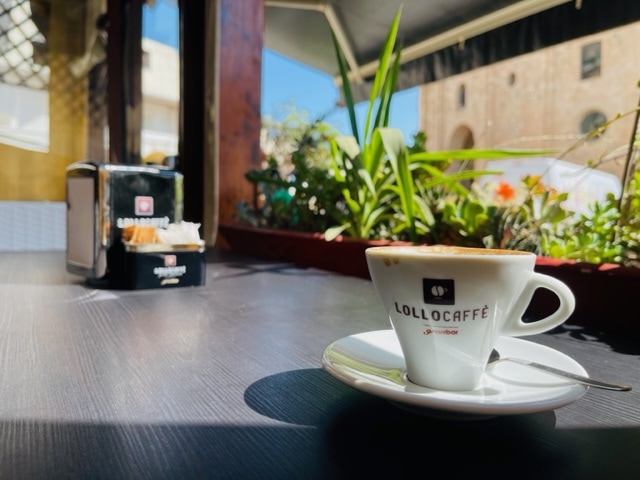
{"x": 495, "y": 357}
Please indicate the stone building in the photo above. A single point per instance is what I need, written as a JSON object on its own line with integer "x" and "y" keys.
{"x": 545, "y": 99}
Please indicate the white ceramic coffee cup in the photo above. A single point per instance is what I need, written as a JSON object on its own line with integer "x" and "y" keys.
{"x": 449, "y": 305}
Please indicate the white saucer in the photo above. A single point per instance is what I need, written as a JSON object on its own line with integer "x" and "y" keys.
{"x": 373, "y": 362}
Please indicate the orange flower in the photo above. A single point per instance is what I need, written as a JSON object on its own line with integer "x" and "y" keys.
{"x": 505, "y": 191}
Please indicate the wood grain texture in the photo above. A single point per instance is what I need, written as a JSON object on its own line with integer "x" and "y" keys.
{"x": 224, "y": 381}
{"x": 239, "y": 76}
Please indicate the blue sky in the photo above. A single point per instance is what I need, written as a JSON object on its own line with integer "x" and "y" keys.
{"x": 288, "y": 84}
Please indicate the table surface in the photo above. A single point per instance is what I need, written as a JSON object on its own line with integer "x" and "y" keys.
{"x": 225, "y": 381}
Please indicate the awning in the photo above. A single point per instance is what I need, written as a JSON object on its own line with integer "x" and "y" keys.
{"x": 439, "y": 37}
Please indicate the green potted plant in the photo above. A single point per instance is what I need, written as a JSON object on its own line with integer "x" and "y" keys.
{"x": 383, "y": 181}
{"x": 372, "y": 192}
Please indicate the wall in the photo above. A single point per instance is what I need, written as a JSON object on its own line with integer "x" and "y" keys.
{"x": 538, "y": 100}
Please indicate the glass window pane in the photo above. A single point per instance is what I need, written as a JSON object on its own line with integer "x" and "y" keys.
{"x": 24, "y": 77}
{"x": 160, "y": 80}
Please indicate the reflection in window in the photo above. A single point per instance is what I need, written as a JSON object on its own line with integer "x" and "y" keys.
{"x": 24, "y": 76}
{"x": 591, "y": 58}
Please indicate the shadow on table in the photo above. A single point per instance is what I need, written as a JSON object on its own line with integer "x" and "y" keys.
{"x": 619, "y": 341}
{"x": 318, "y": 429}
{"x": 308, "y": 397}
{"x": 367, "y": 437}
{"x": 34, "y": 450}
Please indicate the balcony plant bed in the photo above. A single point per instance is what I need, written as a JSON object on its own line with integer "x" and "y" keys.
{"x": 343, "y": 255}
{"x": 605, "y": 294}
{"x": 353, "y": 190}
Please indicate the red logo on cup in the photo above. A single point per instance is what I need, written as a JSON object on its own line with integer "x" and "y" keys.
{"x": 144, "y": 205}
{"x": 170, "y": 261}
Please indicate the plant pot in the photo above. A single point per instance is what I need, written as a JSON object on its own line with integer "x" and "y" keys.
{"x": 605, "y": 294}
{"x": 343, "y": 255}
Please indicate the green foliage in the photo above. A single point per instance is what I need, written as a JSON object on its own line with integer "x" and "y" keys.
{"x": 610, "y": 231}
{"x": 384, "y": 184}
{"x": 382, "y": 88}
{"x": 462, "y": 220}
{"x": 372, "y": 169}
{"x": 528, "y": 224}
{"x": 606, "y": 234}
{"x": 506, "y": 219}
{"x": 296, "y": 192}
{"x": 377, "y": 187}
{"x": 592, "y": 238}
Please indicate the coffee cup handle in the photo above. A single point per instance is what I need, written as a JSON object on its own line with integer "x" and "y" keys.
{"x": 514, "y": 326}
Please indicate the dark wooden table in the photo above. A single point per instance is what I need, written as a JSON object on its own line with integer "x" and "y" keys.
{"x": 225, "y": 381}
